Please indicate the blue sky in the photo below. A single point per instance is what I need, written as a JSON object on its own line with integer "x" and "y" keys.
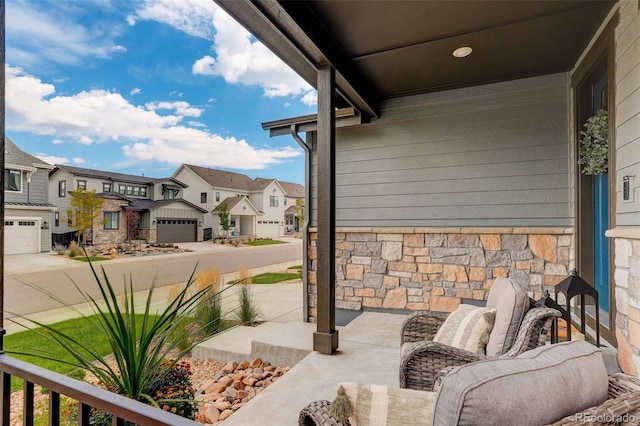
{"x": 141, "y": 87}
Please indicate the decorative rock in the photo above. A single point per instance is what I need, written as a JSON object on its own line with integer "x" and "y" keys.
{"x": 256, "y": 363}
{"x": 243, "y": 365}
{"x": 225, "y": 414}
{"x": 237, "y": 384}
{"x": 230, "y": 367}
{"x": 222, "y": 404}
{"x": 212, "y": 414}
{"x": 395, "y": 299}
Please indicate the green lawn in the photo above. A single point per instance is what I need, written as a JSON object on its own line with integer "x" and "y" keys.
{"x": 273, "y": 277}
{"x": 32, "y": 342}
{"x": 263, "y": 242}
{"x": 92, "y": 258}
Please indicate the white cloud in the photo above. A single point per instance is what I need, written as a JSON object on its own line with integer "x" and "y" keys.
{"x": 39, "y": 32}
{"x": 52, "y": 159}
{"x": 310, "y": 98}
{"x": 197, "y": 124}
{"x": 135, "y": 91}
{"x": 239, "y": 58}
{"x": 118, "y": 49}
{"x": 99, "y": 116}
{"x": 57, "y": 142}
{"x": 191, "y": 16}
{"x": 78, "y": 160}
{"x": 180, "y": 107}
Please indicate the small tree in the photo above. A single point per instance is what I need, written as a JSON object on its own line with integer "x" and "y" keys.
{"x": 300, "y": 210}
{"x": 85, "y": 208}
{"x": 132, "y": 218}
{"x": 223, "y": 214}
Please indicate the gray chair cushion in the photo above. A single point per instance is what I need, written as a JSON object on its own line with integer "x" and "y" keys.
{"x": 511, "y": 303}
{"x": 535, "y": 388}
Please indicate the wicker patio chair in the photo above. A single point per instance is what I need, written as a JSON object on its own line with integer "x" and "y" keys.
{"x": 421, "y": 360}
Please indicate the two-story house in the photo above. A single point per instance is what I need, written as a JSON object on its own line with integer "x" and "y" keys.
{"x": 164, "y": 215}
{"x": 257, "y": 207}
{"x": 28, "y": 214}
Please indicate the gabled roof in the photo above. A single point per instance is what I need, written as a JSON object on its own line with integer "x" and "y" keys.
{"x": 101, "y": 174}
{"x": 16, "y": 156}
{"x": 222, "y": 179}
{"x": 291, "y": 189}
{"x": 233, "y": 202}
{"x": 238, "y": 181}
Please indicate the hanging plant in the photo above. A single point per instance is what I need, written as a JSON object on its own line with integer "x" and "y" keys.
{"x": 594, "y": 144}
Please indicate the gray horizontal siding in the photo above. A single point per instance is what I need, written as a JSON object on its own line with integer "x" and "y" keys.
{"x": 627, "y": 115}
{"x": 494, "y": 155}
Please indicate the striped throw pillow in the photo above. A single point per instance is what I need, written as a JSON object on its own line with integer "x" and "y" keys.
{"x": 378, "y": 405}
{"x": 468, "y": 328}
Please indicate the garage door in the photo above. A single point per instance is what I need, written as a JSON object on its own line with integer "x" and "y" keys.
{"x": 177, "y": 230}
{"x": 269, "y": 229}
{"x": 21, "y": 236}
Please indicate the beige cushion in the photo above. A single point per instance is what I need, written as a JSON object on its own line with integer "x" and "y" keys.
{"x": 467, "y": 328}
{"x": 511, "y": 303}
{"x": 535, "y": 388}
{"x": 377, "y": 405}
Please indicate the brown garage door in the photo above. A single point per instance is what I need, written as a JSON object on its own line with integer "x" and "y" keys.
{"x": 177, "y": 230}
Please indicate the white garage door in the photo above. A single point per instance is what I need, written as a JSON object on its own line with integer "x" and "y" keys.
{"x": 21, "y": 236}
{"x": 268, "y": 229}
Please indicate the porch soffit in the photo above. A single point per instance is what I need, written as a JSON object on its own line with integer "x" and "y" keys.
{"x": 389, "y": 49}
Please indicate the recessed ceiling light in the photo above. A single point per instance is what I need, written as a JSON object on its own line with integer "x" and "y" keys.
{"x": 462, "y": 52}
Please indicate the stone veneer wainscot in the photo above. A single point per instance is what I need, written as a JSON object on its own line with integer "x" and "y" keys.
{"x": 627, "y": 279}
{"x": 439, "y": 268}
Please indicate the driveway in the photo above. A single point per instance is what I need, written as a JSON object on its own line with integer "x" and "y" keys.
{"x": 25, "y": 275}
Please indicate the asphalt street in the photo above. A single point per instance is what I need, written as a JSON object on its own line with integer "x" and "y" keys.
{"x": 26, "y": 288}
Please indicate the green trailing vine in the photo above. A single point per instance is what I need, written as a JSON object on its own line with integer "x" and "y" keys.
{"x": 594, "y": 144}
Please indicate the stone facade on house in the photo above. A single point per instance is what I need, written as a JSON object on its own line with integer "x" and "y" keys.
{"x": 627, "y": 278}
{"x": 437, "y": 269}
{"x": 108, "y": 238}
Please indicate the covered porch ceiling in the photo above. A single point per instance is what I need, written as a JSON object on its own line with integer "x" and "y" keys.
{"x": 388, "y": 49}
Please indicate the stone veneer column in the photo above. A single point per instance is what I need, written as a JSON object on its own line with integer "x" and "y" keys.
{"x": 627, "y": 290}
{"x": 437, "y": 269}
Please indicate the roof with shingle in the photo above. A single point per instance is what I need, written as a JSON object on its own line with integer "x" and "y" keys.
{"x": 223, "y": 179}
{"x": 16, "y": 156}
{"x": 113, "y": 176}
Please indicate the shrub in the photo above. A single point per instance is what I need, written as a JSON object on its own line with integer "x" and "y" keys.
{"x": 209, "y": 315}
{"x": 140, "y": 346}
{"x": 73, "y": 249}
{"x": 59, "y": 248}
{"x": 247, "y": 312}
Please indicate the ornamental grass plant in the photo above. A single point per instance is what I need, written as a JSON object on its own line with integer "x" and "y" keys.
{"x": 145, "y": 351}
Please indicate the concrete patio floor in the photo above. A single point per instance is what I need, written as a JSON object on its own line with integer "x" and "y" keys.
{"x": 369, "y": 352}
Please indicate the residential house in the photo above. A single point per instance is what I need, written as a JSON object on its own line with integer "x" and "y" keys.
{"x": 257, "y": 207}
{"x": 165, "y": 216}
{"x": 445, "y": 152}
{"x": 27, "y": 212}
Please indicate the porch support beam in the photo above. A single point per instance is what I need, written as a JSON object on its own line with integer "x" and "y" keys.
{"x": 325, "y": 339}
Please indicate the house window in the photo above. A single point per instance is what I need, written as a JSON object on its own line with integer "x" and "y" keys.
{"x": 170, "y": 194}
{"x": 217, "y": 196}
{"x": 289, "y": 220}
{"x": 13, "y": 180}
{"x": 111, "y": 220}
{"x": 57, "y": 219}
{"x": 285, "y": 201}
{"x": 136, "y": 190}
{"x": 82, "y": 184}
{"x": 273, "y": 200}
{"x": 232, "y": 221}
{"x": 62, "y": 188}
{"x": 106, "y": 187}
{"x": 143, "y": 191}
{"x": 203, "y": 197}
{"x": 122, "y": 189}
{"x": 129, "y": 190}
